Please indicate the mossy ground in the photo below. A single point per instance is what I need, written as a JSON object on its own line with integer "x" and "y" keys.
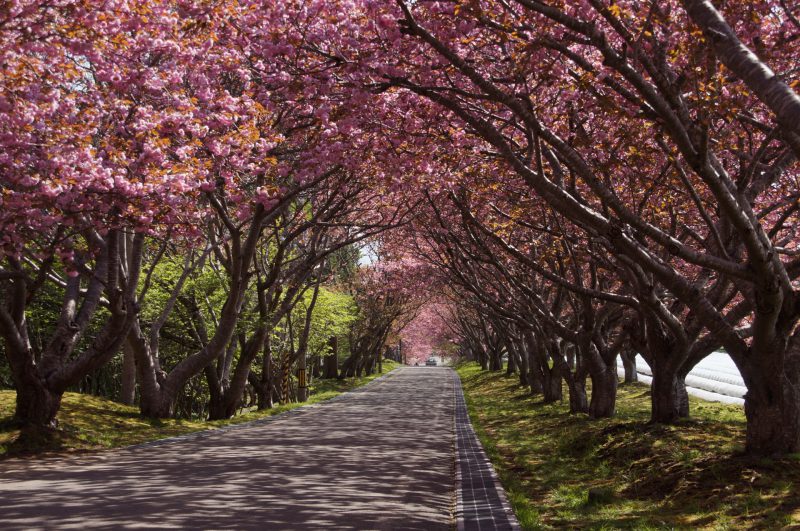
{"x": 89, "y": 423}
{"x": 689, "y": 476}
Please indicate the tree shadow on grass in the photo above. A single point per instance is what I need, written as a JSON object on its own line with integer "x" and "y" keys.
{"x": 31, "y": 442}
{"x": 691, "y": 475}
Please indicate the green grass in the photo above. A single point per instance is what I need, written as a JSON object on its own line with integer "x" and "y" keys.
{"x": 89, "y": 423}
{"x": 690, "y": 476}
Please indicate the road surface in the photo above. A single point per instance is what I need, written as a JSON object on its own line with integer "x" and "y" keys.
{"x": 382, "y": 457}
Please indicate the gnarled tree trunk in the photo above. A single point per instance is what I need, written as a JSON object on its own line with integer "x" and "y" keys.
{"x": 604, "y": 392}
{"x": 36, "y": 404}
{"x": 670, "y": 402}
{"x": 772, "y": 402}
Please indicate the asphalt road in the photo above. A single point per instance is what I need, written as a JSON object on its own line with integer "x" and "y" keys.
{"x": 378, "y": 458}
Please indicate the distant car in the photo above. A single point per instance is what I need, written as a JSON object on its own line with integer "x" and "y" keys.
{"x": 431, "y": 362}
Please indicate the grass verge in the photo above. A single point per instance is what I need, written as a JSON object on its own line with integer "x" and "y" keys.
{"x": 638, "y": 476}
{"x": 90, "y": 423}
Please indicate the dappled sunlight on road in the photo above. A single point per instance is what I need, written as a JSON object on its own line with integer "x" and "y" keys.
{"x": 378, "y": 458}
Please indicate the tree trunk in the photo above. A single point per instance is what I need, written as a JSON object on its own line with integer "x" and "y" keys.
{"x": 128, "y": 392}
{"x": 535, "y": 377}
{"x": 604, "y": 392}
{"x": 156, "y": 398}
{"x": 670, "y": 401}
{"x": 772, "y": 402}
{"x": 603, "y": 372}
{"x": 483, "y": 359}
{"x": 773, "y": 420}
{"x": 576, "y": 382}
{"x": 217, "y": 391}
{"x": 552, "y": 389}
{"x": 264, "y": 388}
{"x": 369, "y": 363}
{"x": 511, "y": 366}
{"x": 302, "y": 348}
{"x": 629, "y": 363}
{"x": 232, "y": 391}
{"x": 495, "y": 361}
{"x": 302, "y": 385}
{"x": 285, "y": 376}
{"x": 348, "y": 369}
{"x": 158, "y": 406}
{"x": 36, "y": 404}
{"x": 224, "y": 408}
{"x": 550, "y": 377}
{"x": 578, "y": 402}
{"x": 524, "y": 371}
{"x": 331, "y": 361}
{"x": 316, "y": 367}
{"x": 528, "y": 351}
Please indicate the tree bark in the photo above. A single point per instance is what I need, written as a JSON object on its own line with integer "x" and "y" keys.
{"x": 604, "y": 392}
{"x": 286, "y": 369}
{"x": 550, "y": 377}
{"x": 216, "y": 392}
{"x": 576, "y": 382}
{"x": 527, "y": 346}
{"x": 302, "y": 349}
{"x": 316, "y": 367}
{"x": 511, "y": 366}
{"x": 231, "y": 392}
{"x": 128, "y": 391}
{"x": 483, "y": 359}
{"x": 524, "y": 370}
{"x": 264, "y": 389}
{"x": 331, "y": 361}
{"x": 37, "y": 406}
{"x": 578, "y": 401}
{"x": 495, "y": 360}
{"x": 772, "y": 402}
{"x": 629, "y": 364}
{"x": 670, "y": 402}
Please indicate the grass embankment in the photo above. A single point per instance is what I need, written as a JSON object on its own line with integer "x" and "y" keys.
{"x": 642, "y": 476}
{"x": 88, "y": 423}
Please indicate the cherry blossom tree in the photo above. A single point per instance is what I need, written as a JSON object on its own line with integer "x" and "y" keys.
{"x": 629, "y": 126}
{"x": 93, "y": 176}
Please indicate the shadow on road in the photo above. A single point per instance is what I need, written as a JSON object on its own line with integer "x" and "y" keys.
{"x": 378, "y": 458}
